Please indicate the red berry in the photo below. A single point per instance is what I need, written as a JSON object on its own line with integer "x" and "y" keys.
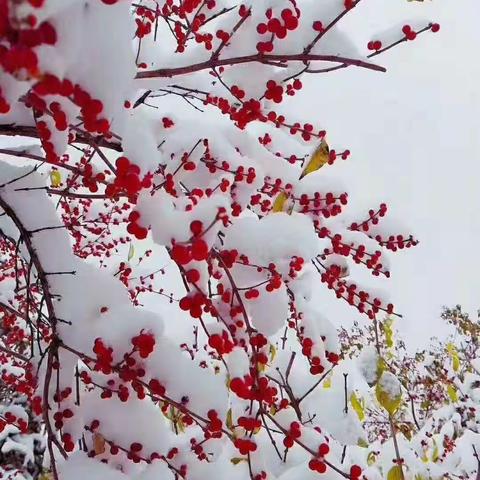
{"x": 196, "y": 227}
{"x": 199, "y": 249}
{"x": 355, "y": 471}
{"x": 323, "y": 449}
{"x": 193, "y": 276}
{"x": 181, "y": 254}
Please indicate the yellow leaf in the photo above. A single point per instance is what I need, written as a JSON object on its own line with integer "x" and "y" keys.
{"x": 371, "y": 459}
{"x": 452, "y": 351}
{"x": 318, "y": 159}
{"x": 389, "y": 392}
{"x": 273, "y": 352}
{"x": 425, "y": 405}
{"x": 229, "y": 420}
{"x": 362, "y": 443}
{"x": 55, "y": 178}
{"x": 435, "y": 453}
{"x": 387, "y": 328}
{"x": 395, "y": 473}
{"x": 131, "y": 251}
{"x": 452, "y": 393}
{"x": 237, "y": 460}
{"x": 180, "y": 425}
{"x": 425, "y": 455}
{"x": 279, "y": 202}
{"x": 328, "y": 382}
{"x": 357, "y": 406}
{"x": 381, "y": 367}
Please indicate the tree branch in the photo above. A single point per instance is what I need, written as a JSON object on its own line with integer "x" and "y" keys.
{"x": 256, "y": 58}
{"x": 13, "y": 130}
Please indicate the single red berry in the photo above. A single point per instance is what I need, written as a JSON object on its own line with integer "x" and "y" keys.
{"x": 355, "y": 471}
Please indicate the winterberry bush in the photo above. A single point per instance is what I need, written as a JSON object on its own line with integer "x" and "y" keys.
{"x": 425, "y": 424}
{"x": 153, "y": 179}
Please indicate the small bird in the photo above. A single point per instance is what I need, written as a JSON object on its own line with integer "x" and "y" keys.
{"x": 317, "y": 160}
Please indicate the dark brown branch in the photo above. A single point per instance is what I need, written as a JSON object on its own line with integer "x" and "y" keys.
{"x": 12, "y": 353}
{"x": 12, "y": 130}
{"x": 256, "y": 58}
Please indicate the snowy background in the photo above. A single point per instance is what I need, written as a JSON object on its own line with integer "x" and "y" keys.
{"x": 414, "y": 136}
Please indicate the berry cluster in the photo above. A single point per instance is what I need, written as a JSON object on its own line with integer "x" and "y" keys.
{"x": 19, "y": 37}
{"x": 276, "y": 27}
{"x": 293, "y": 434}
{"x": 195, "y": 304}
{"x": 221, "y": 343}
{"x": 245, "y": 445}
{"x": 144, "y": 344}
{"x": 198, "y": 250}
{"x": 127, "y": 180}
{"x": 249, "y": 424}
{"x": 353, "y": 295}
{"x": 247, "y": 389}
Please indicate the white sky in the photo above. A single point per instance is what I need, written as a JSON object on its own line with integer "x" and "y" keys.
{"x": 414, "y": 135}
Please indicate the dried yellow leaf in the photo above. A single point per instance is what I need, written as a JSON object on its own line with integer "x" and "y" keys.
{"x": 452, "y": 393}
{"x": 279, "y": 202}
{"x": 55, "y": 178}
{"x": 318, "y": 159}
{"x": 357, "y": 405}
{"x": 98, "y": 444}
{"x": 395, "y": 473}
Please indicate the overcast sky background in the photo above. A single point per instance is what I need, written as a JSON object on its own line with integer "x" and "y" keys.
{"x": 414, "y": 135}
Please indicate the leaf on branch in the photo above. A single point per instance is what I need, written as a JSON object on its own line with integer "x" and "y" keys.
{"x": 371, "y": 458}
{"x": 328, "y": 382}
{"x": 362, "y": 443}
{"x": 435, "y": 453}
{"x": 131, "y": 252}
{"x": 452, "y": 393}
{"x": 453, "y": 353}
{"x": 395, "y": 473}
{"x": 273, "y": 352}
{"x": 279, "y": 202}
{"x": 389, "y": 393}
{"x": 318, "y": 159}
{"x": 358, "y": 406}
{"x": 98, "y": 444}
{"x": 229, "y": 420}
{"x": 388, "y": 330}
{"x": 55, "y": 178}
